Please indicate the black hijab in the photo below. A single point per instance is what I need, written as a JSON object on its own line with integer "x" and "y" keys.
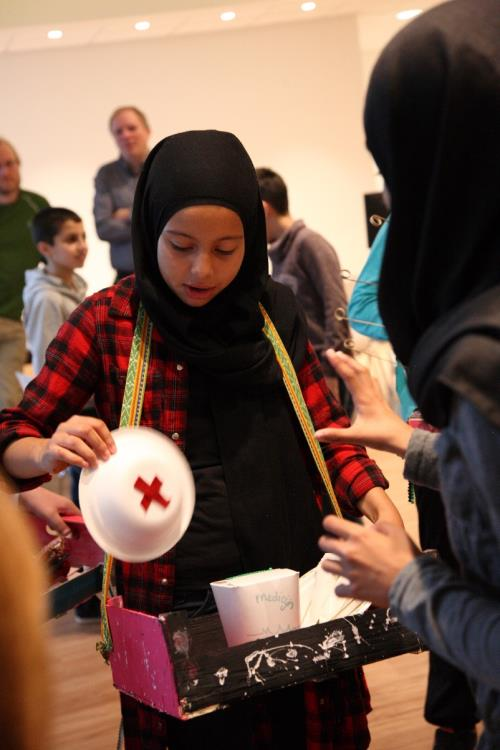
{"x": 432, "y": 120}
{"x": 223, "y": 338}
{"x": 275, "y": 519}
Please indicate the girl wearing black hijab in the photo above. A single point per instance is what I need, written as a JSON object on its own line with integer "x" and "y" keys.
{"x": 215, "y": 387}
{"x": 432, "y": 120}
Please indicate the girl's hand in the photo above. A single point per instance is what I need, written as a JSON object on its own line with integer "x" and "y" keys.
{"x": 81, "y": 441}
{"x": 375, "y": 424}
{"x": 369, "y": 557}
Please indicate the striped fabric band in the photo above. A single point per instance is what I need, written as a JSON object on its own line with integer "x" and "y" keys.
{"x": 293, "y": 387}
{"x": 133, "y": 399}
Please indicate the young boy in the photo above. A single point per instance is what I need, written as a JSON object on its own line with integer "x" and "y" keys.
{"x": 53, "y": 289}
{"x": 51, "y": 293}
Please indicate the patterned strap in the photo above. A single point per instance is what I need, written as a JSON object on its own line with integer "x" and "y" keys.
{"x": 133, "y": 399}
{"x": 411, "y": 492}
{"x": 293, "y": 387}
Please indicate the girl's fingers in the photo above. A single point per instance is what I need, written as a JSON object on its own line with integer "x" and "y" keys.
{"x": 64, "y": 445}
{"x": 68, "y": 453}
{"x": 92, "y": 432}
{"x": 102, "y": 430}
{"x": 81, "y": 441}
{"x": 94, "y": 440}
{"x": 70, "y": 458}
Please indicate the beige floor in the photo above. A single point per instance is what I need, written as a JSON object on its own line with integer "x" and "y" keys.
{"x": 86, "y": 713}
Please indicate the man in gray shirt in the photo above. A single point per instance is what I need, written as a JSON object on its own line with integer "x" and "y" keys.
{"x": 115, "y": 185}
{"x": 306, "y": 262}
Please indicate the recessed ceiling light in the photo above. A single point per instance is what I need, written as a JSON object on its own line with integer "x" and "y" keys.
{"x": 142, "y": 25}
{"x": 55, "y": 34}
{"x": 308, "y": 6}
{"x": 228, "y": 15}
{"x": 405, "y": 15}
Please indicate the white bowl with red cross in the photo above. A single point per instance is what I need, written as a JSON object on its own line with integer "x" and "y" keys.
{"x": 138, "y": 503}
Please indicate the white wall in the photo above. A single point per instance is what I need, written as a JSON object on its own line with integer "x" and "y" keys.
{"x": 292, "y": 93}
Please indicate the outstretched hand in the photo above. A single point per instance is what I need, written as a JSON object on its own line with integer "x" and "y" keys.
{"x": 375, "y": 425}
{"x": 369, "y": 557}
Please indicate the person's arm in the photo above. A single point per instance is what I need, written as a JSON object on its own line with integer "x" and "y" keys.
{"x": 459, "y": 615}
{"x": 421, "y": 459}
{"x": 459, "y": 618}
{"x": 81, "y": 441}
{"x": 41, "y": 325}
{"x": 456, "y": 620}
{"x": 42, "y": 435}
{"x": 357, "y": 481}
{"x": 378, "y": 507}
{"x": 112, "y": 222}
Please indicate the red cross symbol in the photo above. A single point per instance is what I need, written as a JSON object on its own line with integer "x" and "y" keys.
{"x": 150, "y": 492}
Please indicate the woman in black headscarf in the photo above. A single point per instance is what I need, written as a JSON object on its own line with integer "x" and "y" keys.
{"x": 214, "y": 386}
{"x": 432, "y": 120}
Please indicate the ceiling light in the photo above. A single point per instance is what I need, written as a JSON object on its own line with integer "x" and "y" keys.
{"x": 406, "y": 15}
{"x": 55, "y": 34}
{"x": 307, "y": 6}
{"x": 142, "y": 25}
{"x": 228, "y": 15}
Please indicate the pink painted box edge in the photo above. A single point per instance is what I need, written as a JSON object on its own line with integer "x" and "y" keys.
{"x": 140, "y": 661}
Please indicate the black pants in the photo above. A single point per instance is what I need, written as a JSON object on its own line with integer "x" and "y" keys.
{"x": 449, "y": 701}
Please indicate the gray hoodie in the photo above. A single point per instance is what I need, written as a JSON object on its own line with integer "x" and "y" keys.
{"x": 303, "y": 260}
{"x": 48, "y": 303}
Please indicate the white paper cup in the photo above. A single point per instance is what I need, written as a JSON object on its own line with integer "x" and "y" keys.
{"x": 258, "y": 605}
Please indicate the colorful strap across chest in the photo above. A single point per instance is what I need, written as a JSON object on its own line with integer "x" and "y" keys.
{"x": 130, "y": 416}
{"x": 293, "y": 387}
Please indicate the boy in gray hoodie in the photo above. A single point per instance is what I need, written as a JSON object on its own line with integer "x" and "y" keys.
{"x": 53, "y": 289}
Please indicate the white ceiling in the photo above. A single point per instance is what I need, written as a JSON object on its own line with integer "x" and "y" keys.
{"x": 24, "y": 24}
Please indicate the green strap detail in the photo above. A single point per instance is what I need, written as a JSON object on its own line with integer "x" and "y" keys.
{"x": 133, "y": 395}
{"x": 411, "y": 492}
{"x": 295, "y": 393}
{"x": 133, "y": 399}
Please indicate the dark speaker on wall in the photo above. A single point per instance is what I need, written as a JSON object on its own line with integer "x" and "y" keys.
{"x": 374, "y": 204}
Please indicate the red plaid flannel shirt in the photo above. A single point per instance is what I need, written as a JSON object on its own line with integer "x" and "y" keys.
{"x": 90, "y": 356}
